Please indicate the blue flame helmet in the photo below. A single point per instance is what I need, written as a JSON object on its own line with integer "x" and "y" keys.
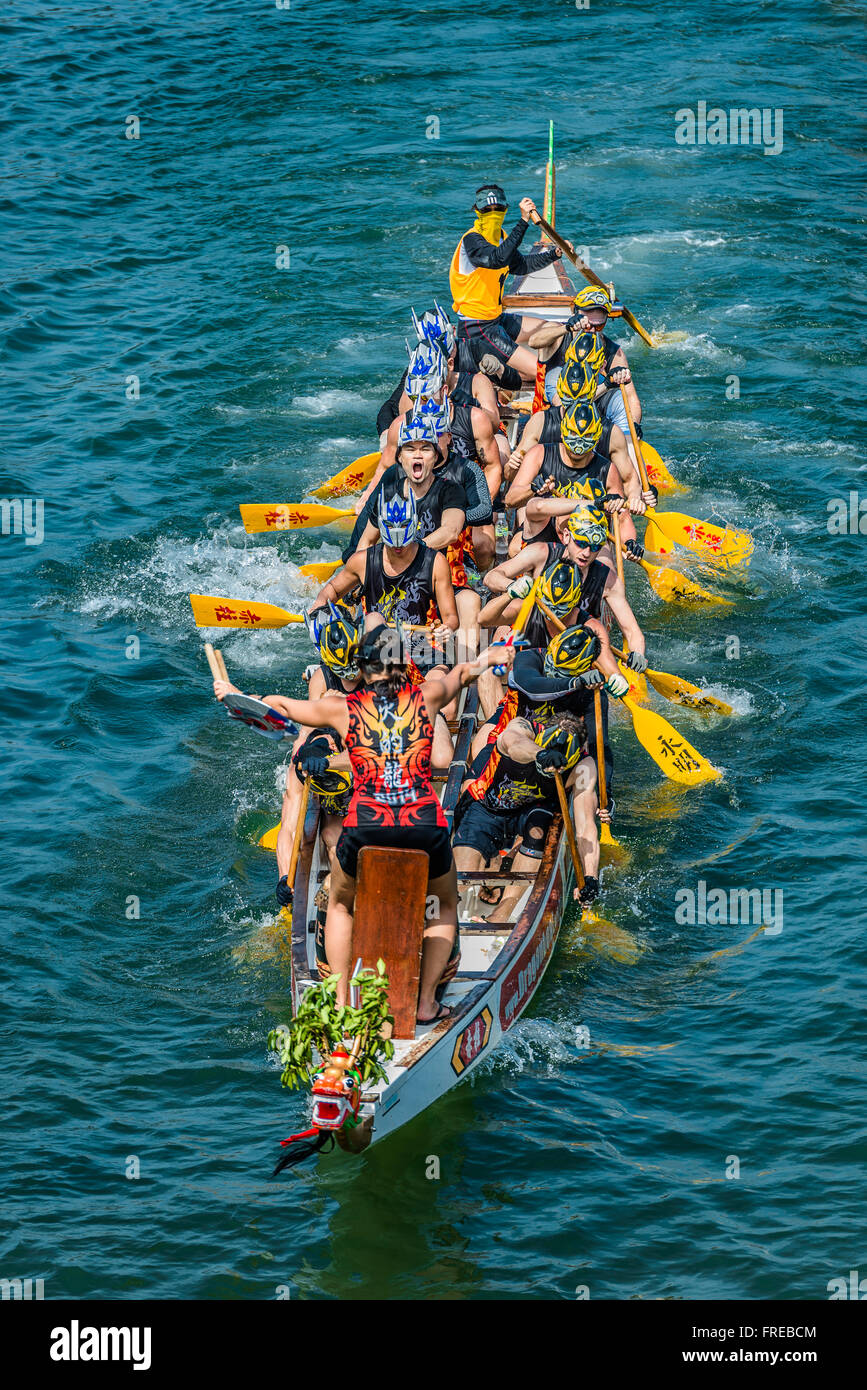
{"x": 420, "y": 427}
{"x": 428, "y": 371}
{"x": 398, "y": 519}
{"x": 436, "y": 328}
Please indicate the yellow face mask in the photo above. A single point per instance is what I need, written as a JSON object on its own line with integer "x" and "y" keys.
{"x": 490, "y": 224}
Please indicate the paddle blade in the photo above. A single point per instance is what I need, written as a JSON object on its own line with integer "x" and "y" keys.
{"x": 682, "y": 692}
{"x": 611, "y": 850}
{"x": 637, "y": 684}
{"x": 321, "y": 570}
{"x": 674, "y": 587}
{"x": 609, "y": 940}
{"x": 269, "y": 839}
{"x": 525, "y": 610}
{"x": 290, "y": 516}
{"x": 670, "y": 751}
{"x": 654, "y": 540}
{"x": 353, "y": 478}
{"x": 642, "y": 332}
{"x": 724, "y": 545}
{"x": 657, "y": 470}
{"x": 238, "y": 612}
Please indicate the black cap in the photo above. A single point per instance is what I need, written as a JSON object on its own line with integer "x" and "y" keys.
{"x": 489, "y": 197}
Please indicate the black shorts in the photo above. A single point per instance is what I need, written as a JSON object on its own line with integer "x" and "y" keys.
{"x": 497, "y": 336}
{"x": 433, "y": 839}
{"x": 489, "y": 832}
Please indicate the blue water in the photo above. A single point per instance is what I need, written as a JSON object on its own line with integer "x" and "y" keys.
{"x": 561, "y": 1165}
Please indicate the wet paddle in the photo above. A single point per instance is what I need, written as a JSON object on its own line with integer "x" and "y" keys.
{"x": 683, "y": 692}
{"x": 209, "y": 611}
{"x": 724, "y": 545}
{"x": 657, "y": 470}
{"x": 321, "y": 570}
{"x": 607, "y": 938}
{"x": 353, "y": 478}
{"x": 291, "y": 516}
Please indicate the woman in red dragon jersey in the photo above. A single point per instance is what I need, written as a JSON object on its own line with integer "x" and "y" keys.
{"x": 387, "y": 728}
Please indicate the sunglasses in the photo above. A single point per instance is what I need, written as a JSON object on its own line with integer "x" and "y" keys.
{"x": 585, "y": 541}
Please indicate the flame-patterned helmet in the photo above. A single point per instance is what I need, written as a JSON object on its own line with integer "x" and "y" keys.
{"x": 581, "y": 427}
{"x": 435, "y": 413}
{"x": 588, "y": 351}
{"x": 436, "y": 328}
{"x": 571, "y": 652}
{"x": 560, "y": 588}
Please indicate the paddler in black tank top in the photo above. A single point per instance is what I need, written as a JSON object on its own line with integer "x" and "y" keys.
{"x": 576, "y": 469}
{"x": 510, "y": 794}
{"x": 440, "y": 498}
{"x": 591, "y": 309}
{"x": 581, "y": 536}
{"x": 386, "y": 727}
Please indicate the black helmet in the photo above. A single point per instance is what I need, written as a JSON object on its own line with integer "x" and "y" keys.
{"x": 490, "y": 197}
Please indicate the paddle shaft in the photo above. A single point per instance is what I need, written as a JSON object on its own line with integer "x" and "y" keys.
{"x": 600, "y": 750}
{"x": 639, "y": 458}
{"x": 214, "y": 664}
{"x": 590, "y": 274}
{"x": 570, "y": 830}
{"x": 299, "y": 831}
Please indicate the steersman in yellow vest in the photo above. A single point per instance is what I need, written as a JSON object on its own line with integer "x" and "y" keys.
{"x": 490, "y": 340}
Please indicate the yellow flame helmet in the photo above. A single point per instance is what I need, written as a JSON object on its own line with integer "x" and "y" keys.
{"x": 569, "y": 741}
{"x": 588, "y": 526}
{"x": 592, "y": 297}
{"x": 560, "y": 588}
{"x": 581, "y": 427}
{"x": 577, "y": 383}
{"x": 338, "y": 642}
{"x": 572, "y": 652}
{"x": 588, "y": 351}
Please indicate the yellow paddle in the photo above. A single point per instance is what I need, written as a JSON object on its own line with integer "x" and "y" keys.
{"x": 239, "y": 612}
{"x": 353, "y": 478}
{"x": 657, "y": 470}
{"x": 606, "y": 937}
{"x": 724, "y": 545}
{"x": 569, "y": 250}
{"x": 321, "y": 570}
{"x": 674, "y": 587}
{"x": 291, "y": 516}
{"x": 669, "y": 749}
{"x": 683, "y": 692}
{"x": 654, "y": 539}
